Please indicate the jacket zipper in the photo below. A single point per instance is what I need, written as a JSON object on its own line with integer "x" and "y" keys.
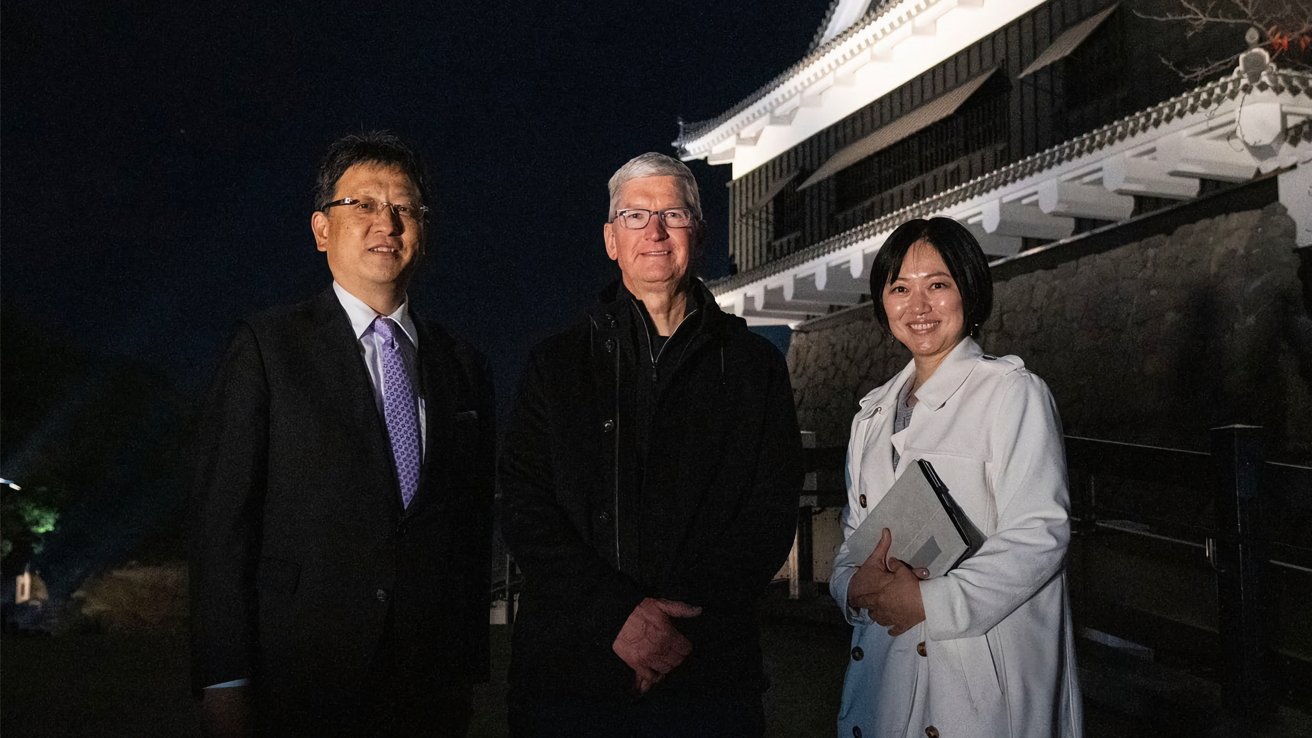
{"x": 615, "y": 444}
{"x": 655, "y": 358}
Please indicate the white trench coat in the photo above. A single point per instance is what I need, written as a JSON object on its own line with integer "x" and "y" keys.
{"x": 995, "y": 655}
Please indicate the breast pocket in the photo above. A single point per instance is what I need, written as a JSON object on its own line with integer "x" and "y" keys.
{"x": 455, "y": 460}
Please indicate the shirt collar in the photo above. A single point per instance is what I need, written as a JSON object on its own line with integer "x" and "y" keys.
{"x": 362, "y": 316}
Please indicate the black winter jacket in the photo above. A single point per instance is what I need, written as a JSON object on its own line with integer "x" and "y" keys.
{"x": 625, "y": 477}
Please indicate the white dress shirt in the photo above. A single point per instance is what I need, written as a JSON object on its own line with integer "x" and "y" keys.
{"x": 362, "y": 324}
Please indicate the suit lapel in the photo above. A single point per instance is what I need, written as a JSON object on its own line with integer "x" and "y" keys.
{"x": 437, "y": 383}
{"x": 349, "y": 386}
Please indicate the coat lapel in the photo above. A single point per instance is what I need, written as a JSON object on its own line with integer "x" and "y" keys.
{"x": 871, "y": 437}
{"x": 930, "y": 398}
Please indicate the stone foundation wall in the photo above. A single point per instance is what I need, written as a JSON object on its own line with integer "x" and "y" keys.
{"x": 1152, "y": 342}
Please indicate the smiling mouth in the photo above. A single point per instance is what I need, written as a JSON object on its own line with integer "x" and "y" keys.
{"x": 922, "y": 326}
{"x": 384, "y": 250}
{"x": 656, "y": 253}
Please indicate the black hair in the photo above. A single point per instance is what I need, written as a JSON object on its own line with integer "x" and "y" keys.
{"x": 960, "y": 251}
{"x": 374, "y": 147}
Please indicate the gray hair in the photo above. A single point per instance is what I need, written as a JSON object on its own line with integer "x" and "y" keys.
{"x": 652, "y": 164}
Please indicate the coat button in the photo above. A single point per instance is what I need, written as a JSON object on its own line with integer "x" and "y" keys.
{"x": 858, "y": 654}
{"x": 610, "y": 320}
{"x": 603, "y": 517}
{"x": 608, "y": 426}
{"x": 856, "y": 731}
{"x": 610, "y": 345}
{"x": 920, "y": 649}
{"x": 931, "y": 731}
{"x": 862, "y": 500}
{"x": 380, "y": 594}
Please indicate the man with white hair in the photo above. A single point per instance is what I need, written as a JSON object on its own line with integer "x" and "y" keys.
{"x": 649, "y": 487}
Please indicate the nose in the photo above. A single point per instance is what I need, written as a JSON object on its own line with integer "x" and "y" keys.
{"x": 655, "y": 229}
{"x": 390, "y": 217}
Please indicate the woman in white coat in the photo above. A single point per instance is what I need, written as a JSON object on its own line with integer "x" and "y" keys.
{"x": 986, "y": 649}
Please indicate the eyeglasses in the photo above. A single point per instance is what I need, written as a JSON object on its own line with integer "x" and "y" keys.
{"x": 367, "y": 207}
{"x": 636, "y": 219}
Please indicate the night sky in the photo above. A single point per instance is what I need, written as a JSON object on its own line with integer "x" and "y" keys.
{"x": 158, "y": 157}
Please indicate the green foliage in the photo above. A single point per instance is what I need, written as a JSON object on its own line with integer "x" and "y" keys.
{"x": 40, "y": 517}
{"x": 26, "y": 516}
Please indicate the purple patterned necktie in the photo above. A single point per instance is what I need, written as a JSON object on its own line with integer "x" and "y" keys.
{"x": 399, "y": 408}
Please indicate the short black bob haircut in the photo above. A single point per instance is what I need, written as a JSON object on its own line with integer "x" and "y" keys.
{"x": 960, "y": 251}
{"x": 375, "y": 147}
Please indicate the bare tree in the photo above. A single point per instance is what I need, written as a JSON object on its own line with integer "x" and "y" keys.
{"x": 1282, "y": 27}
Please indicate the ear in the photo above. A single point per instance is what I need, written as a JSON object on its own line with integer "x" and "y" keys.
{"x": 612, "y": 243}
{"x": 319, "y": 226}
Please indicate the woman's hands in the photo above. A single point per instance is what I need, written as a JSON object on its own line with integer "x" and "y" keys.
{"x": 888, "y": 589}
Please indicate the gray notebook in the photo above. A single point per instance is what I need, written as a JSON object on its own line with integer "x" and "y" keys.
{"x": 929, "y": 529}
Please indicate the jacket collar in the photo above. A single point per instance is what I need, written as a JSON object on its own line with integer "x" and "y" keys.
{"x": 946, "y": 380}
{"x": 612, "y": 302}
{"x": 950, "y": 375}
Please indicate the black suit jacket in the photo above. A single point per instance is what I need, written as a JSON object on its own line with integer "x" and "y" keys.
{"x": 308, "y": 575}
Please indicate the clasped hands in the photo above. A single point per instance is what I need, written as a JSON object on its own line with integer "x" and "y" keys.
{"x": 888, "y": 589}
{"x": 650, "y": 644}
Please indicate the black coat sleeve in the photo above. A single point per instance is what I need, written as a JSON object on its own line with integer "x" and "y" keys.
{"x": 231, "y": 454}
{"x": 538, "y": 528}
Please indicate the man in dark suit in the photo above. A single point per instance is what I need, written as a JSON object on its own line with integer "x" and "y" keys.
{"x": 342, "y": 501}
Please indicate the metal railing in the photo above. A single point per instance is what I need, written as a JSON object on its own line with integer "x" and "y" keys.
{"x": 1210, "y": 503}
